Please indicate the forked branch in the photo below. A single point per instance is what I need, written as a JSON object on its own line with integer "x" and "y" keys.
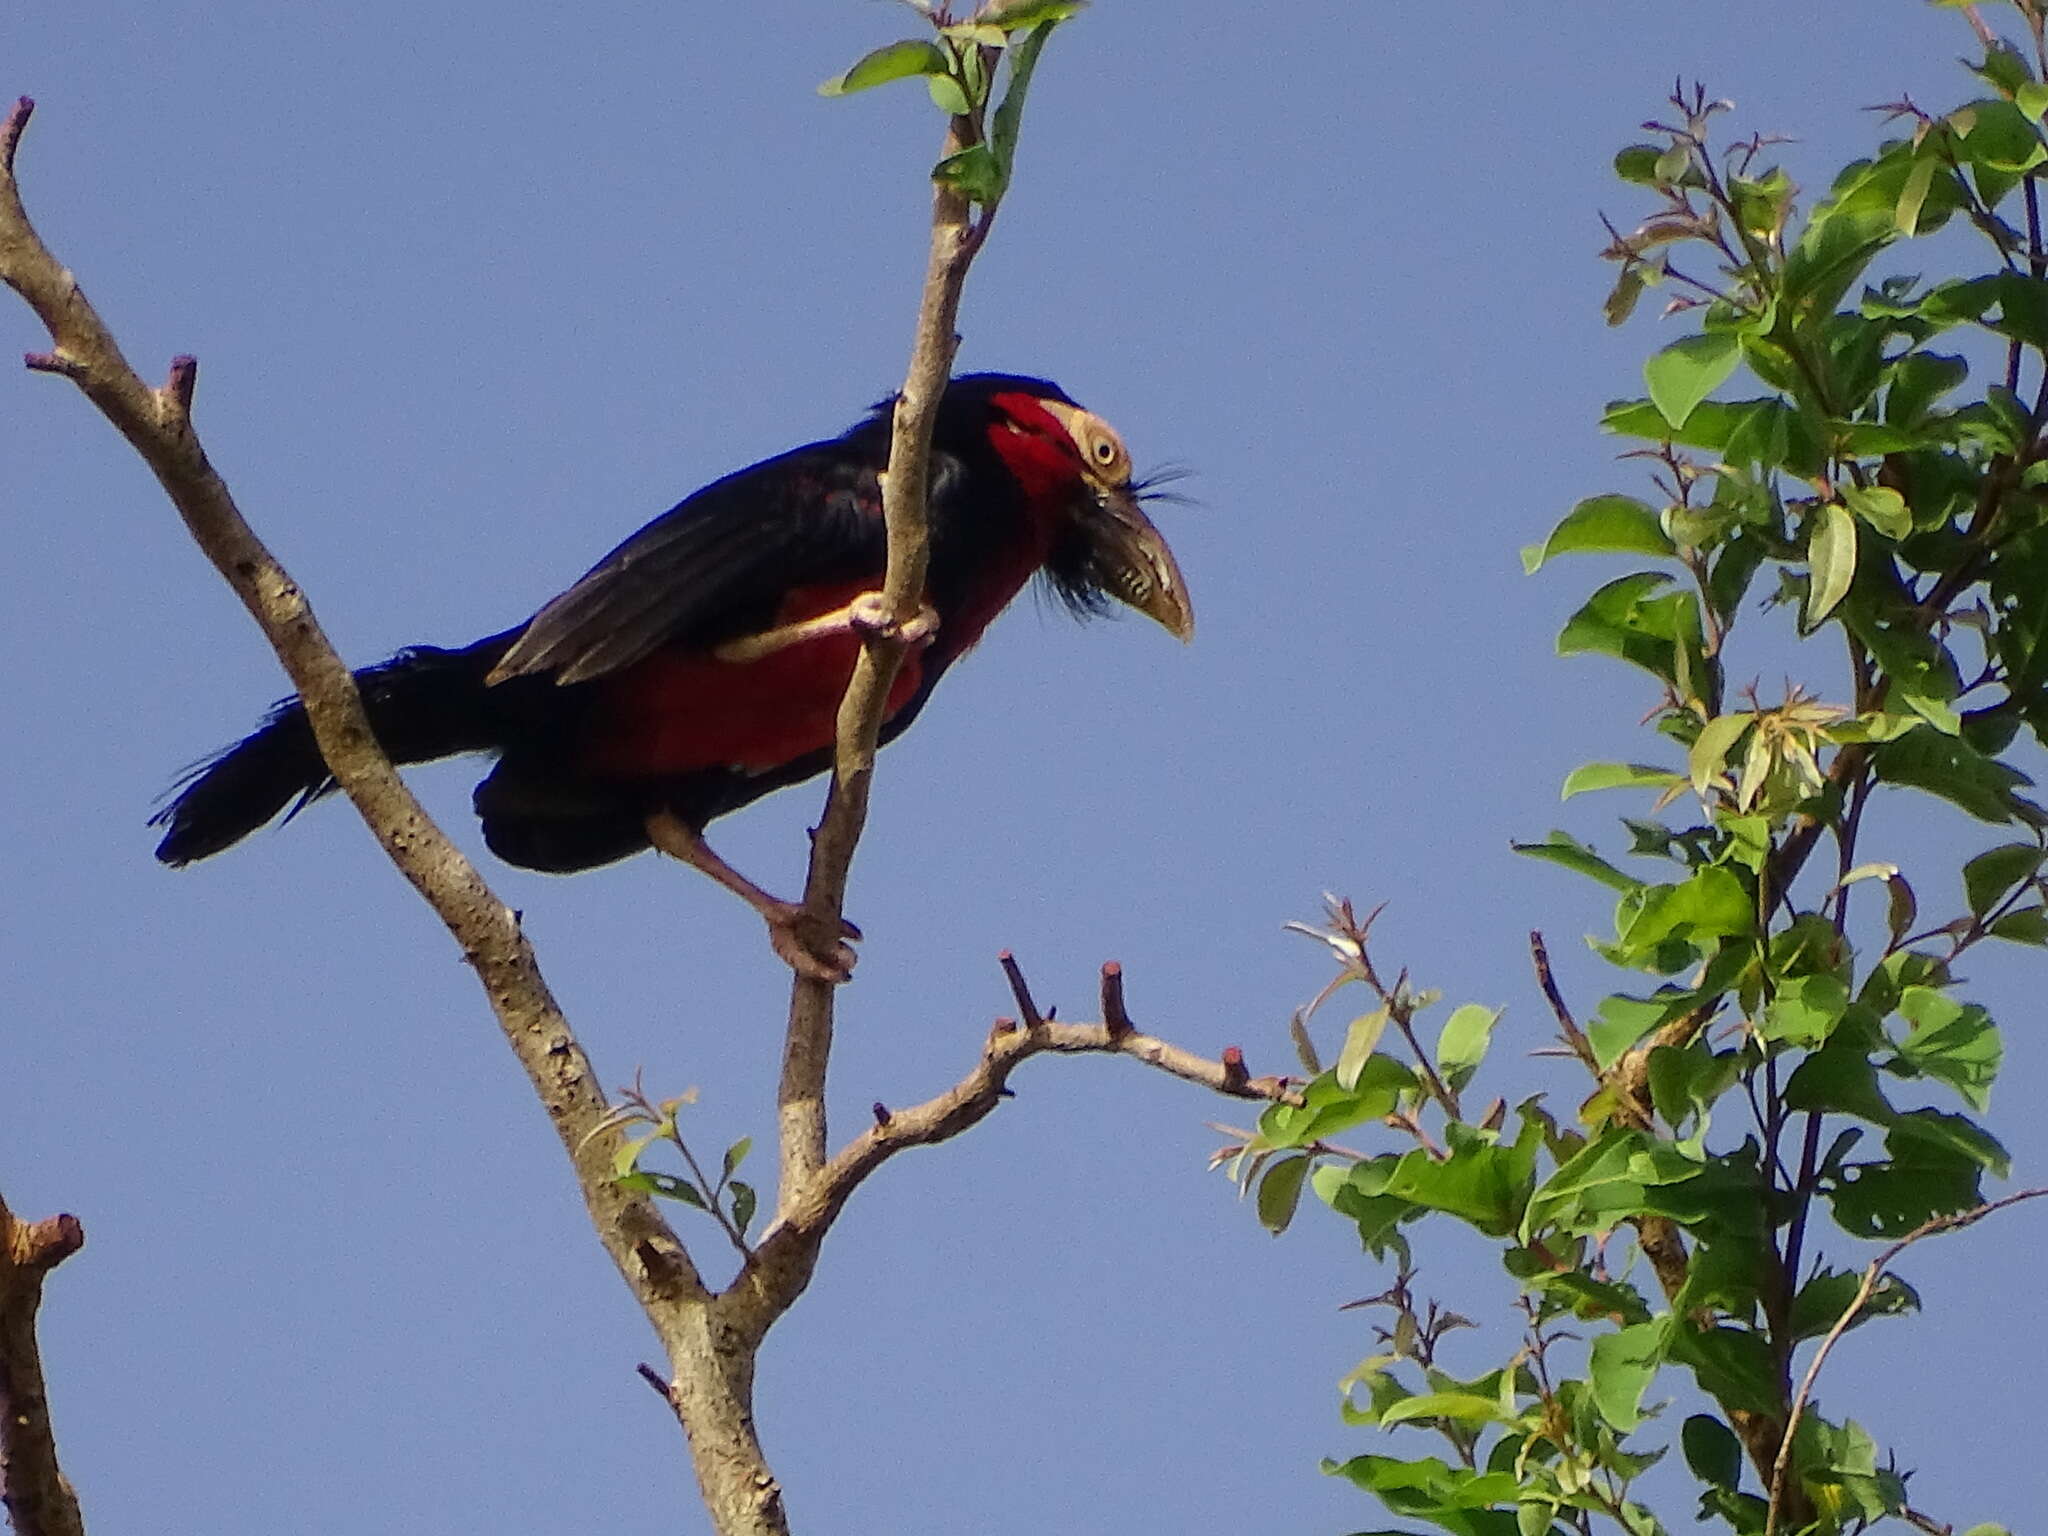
{"x": 783, "y": 1260}
{"x": 158, "y": 423}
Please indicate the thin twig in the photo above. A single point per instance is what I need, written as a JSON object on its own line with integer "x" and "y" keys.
{"x": 800, "y": 1095}
{"x": 1574, "y": 1037}
{"x": 1871, "y": 1277}
{"x": 1020, "y": 989}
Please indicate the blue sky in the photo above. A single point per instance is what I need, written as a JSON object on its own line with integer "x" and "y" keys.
{"x": 477, "y": 290}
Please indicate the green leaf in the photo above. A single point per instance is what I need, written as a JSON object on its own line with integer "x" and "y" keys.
{"x": 1989, "y": 877}
{"x": 1830, "y": 561}
{"x": 1805, "y": 1011}
{"x": 1280, "y": 1193}
{"x": 1562, "y": 848}
{"x": 1686, "y": 372}
{"x": 1009, "y": 117}
{"x": 1733, "y": 1366}
{"x": 1360, "y": 1041}
{"x": 1913, "y": 196}
{"x": 1823, "y": 1299}
{"x": 744, "y": 1202}
{"x": 1603, "y": 524}
{"x": 1952, "y": 769}
{"x": 1686, "y": 1080}
{"x": 2025, "y": 925}
{"x": 1887, "y": 1200}
{"x": 1624, "y": 619}
{"x": 1427, "y": 1486}
{"x": 1841, "y": 1080}
{"x": 737, "y": 1154}
{"x": 972, "y": 172}
{"x": 1622, "y": 1020}
{"x": 1952, "y": 1043}
{"x": 977, "y": 31}
{"x": 897, "y": 61}
{"x": 948, "y": 95}
{"x": 627, "y": 1158}
{"x": 1709, "y": 754}
{"x": 1592, "y": 776}
{"x": 1016, "y": 15}
{"x": 1621, "y": 1368}
{"x": 1638, "y": 163}
{"x": 1479, "y": 1183}
{"x": 1881, "y": 507}
{"x": 667, "y": 1185}
{"x": 1712, "y": 1451}
{"x": 1327, "y": 1109}
{"x": 1714, "y": 903}
{"x": 1462, "y": 1408}
{"x": 1461, "y": 1047}
{"x": 1608, "y": 1180}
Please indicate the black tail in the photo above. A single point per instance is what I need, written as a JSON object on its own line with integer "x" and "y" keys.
{"x": 423, "y": 703}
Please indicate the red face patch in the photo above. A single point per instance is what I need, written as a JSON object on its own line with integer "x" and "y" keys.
{"x": 1036, "y": 450}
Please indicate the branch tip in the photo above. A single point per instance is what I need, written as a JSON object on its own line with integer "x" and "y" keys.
{"x": 1235, "y": 1075}
{"x": 1115, "y": 1018}
{"x": 654, "y": 1379}
{"x": 43, "y": 1245}
{"x": 10, "y": 131}
{"x": 52, "y": 362}
{"x": 881, "y": 1113}
{"x": 1019, "y": 989}
{"x": 178, "y": 387}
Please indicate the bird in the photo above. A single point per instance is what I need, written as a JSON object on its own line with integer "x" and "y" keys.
{"x": 700, "y": 664}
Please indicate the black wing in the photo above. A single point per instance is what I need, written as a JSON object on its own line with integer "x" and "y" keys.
{"x": 717, "y": 565}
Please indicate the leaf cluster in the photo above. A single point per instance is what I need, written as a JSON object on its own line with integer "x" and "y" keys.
{"x": 1793, "y": 1051}
{"x": 960, "y": 65}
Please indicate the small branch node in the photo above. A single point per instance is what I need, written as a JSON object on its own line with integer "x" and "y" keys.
{"x": 1235, "y": 1075}
{"x": 52, "y": 362}
{"x": 881, "y": 1113}
{"x": 656, "y": 1380}
{"x": 1021, "y": 990}
{"x": 176, "y": 395}
{"x": 1115, "y": 1018}
{"x": 43, "y": 1245}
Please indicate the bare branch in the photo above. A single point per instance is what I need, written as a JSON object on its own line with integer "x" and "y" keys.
{"x": 712, "y": 1391}
{"x": 1871, "y": 1276}
{"x": 158, "y": 423}
{"x": 38, "y": 1497}
{"x": 783, "y": 1258}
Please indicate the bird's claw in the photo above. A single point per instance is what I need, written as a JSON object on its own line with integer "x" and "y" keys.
{"x": 811, "y": 946}
{"x": 869, "y": 613}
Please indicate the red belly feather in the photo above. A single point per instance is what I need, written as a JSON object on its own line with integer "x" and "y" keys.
{"x": 677, "y": 711}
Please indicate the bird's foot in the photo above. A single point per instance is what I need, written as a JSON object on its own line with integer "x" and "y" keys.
{"x": 870, "y": 614}
{"x": 809, "y": 945}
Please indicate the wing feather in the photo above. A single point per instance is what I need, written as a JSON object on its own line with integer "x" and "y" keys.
{"x": 714, "y": 566}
